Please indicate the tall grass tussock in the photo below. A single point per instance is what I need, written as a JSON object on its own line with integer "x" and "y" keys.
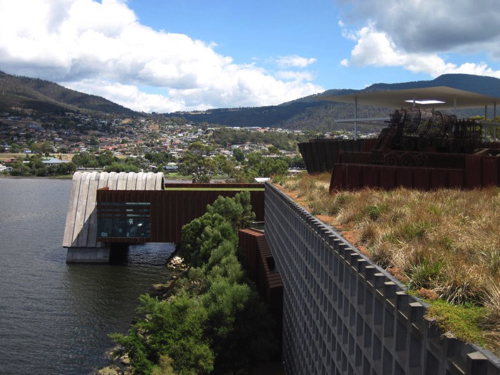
{"x": 444, "y": 245}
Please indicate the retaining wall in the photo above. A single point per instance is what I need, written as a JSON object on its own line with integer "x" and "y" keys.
{"x": 344, "y": 315}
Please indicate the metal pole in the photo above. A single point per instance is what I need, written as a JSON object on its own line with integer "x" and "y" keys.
{"x": 495, "y": 120}
{"x": 355, "y": 118}
{"x": 413, "y": 99}
{"x": 485, "y": 112}
{"x": 454, "y": 104}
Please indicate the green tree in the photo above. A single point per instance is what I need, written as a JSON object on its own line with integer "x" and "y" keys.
{"x": 238, "y": 155}
{"x": 121, "y": 167}
{"x": 237, "y": 211}
{"x": 196, "y": 162}
{"x": 202, "y": 235}
{"x": 20, "y": 169}
{"x": 223, "y": 166}
{"x": 85, "y": 160}
{"x": 93, "y": 141}
{"x": 105, "y": 158}
{"x": 173, "y": 328}
{"x": 213, "y": 320}
{"x": 66, "y": 168}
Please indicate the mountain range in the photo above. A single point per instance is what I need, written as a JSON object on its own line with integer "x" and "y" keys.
{"x": 305, "y": 113}
{"x": 48, "y": 97}
{"x": 312, "y": 113}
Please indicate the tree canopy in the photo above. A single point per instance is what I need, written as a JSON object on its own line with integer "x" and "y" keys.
{"x": 213, "y": 321}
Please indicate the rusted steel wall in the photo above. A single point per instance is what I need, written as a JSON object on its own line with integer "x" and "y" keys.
{"x": 172, "y": 209}
{"x": 476, "y": 171}
{"x": 268, "y": 281}
{"x": 320, "y": 154}
{"x": 247, "y": 241}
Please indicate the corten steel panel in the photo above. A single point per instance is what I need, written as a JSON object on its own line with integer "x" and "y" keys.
{"x": 368, "y": 144}
{"x": 336, "y": 147}
{"x": 272, "y": 284}
{"x": 349, "y": 145}
{"x": 304, "y": 149}
{"x": 473, "y": 171}
{"x": 404, "y": 177}
{"x": 330, "y": 157}
{"x": 248, "y": 244}
{"x": 337, "y": 181}
{"x": 320, "y": 155}
{"x": 490, "y": 171}
{"x": 323, "y": 161}
{"x": 172, "y": 209}
{"x": 315, "y": 157}
{"x": 174, "y": 218}
{"x": 354, "y": 176}
{"x": 371, "y": 176}
{"x": 388, "y": 177}
{"x": 156, "y": 207}
{"x": 490, "y": 144}
{"x": 439, "y": 178}
{"x": 457, "y": 178}
{"x": 309, "y": 158}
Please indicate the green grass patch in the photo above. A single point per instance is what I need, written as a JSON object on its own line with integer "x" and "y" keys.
{"x": 462, "y": 320}
{"x": 214, "y": 189}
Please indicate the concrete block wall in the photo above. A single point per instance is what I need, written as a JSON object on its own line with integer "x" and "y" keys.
{"x": 344, "y": 315}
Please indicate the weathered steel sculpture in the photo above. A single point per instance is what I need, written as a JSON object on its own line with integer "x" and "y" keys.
{"x": 412, "y": 132}
{"x": 422, "y": 149}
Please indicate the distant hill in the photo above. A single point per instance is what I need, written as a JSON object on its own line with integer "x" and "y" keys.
{"x": 45, "y": 96}
{"x": 311, "y": 113}
{"x": 479, "y": 84}
{"x": 304, "y": 113}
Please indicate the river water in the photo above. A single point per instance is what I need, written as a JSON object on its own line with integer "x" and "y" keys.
{"x": 55, "y": 317}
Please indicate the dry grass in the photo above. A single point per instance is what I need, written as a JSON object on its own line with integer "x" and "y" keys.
{"x": 445, "y": 243}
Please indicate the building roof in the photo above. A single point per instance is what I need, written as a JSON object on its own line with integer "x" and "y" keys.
{"x": 54, "y": 161}
{"x": 447, "y": 98}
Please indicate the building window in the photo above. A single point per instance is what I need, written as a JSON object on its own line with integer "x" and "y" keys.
{"x": 124, "y": 219}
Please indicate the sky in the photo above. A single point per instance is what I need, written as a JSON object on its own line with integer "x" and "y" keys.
{"x": 182, "y": 55}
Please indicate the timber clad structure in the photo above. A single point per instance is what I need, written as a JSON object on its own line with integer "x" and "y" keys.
{"x": 117, "y": 209}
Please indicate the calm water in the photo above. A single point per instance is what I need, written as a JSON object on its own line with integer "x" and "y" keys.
{"x": 54, "y": 317}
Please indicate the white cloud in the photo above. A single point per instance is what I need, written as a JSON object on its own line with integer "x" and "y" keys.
{"x": 294, "y": 75}
{"x": 344, "y": 62}
{"x": 102, "y": 48}
{"x": 127, "y": 95}
{"x": 431, "y": 26}
{"x": 294, "y": 61}
{"x": 375, "y": 47}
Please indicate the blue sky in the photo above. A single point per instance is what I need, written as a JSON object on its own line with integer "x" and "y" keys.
{"x": 174, "y": 55}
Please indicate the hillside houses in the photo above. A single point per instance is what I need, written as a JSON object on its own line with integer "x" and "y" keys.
{"x": 74, "y": 133}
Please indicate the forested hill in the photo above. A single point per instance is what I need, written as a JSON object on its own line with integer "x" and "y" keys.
{"x": 44, "y": 96}
{"x": 312, "y": 113}
{"x": 479, "y": 84}
{"x": 305, "y": 113}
